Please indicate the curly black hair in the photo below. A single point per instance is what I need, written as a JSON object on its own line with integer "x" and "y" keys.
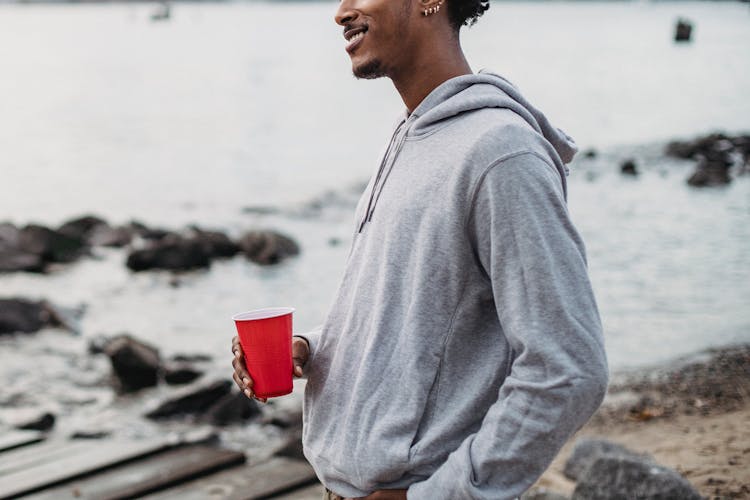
{"x": 465, "y": 12}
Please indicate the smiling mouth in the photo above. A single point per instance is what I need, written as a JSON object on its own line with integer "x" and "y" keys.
{"x": 354, "y": 38}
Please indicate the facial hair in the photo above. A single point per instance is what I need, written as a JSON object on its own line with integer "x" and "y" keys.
{"x": 375, "y": 68}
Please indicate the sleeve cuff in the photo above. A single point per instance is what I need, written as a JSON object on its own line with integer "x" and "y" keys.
{"x": 312, "y": 338}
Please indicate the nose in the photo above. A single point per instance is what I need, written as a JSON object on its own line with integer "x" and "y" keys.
{"x": 345, "y": 14}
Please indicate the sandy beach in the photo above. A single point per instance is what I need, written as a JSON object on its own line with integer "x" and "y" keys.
{"x": 692, "y": 416}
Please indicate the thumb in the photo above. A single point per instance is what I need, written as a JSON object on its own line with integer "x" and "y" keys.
{"x": 297, "y": 368}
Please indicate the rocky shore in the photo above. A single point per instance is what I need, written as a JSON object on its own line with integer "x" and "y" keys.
{"x": 691, "y": 416}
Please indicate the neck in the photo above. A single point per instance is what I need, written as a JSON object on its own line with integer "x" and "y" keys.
{"x": 440, "y": 60}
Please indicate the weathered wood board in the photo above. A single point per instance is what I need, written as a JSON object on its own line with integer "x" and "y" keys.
{"x": 144, "y": 476}
{"x": 278, "y": 475}
{"x": 66, "y": 461}
{"x": 16, "y": 439}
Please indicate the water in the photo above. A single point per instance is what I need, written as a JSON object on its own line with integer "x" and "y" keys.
{"x": 230, "y": 105}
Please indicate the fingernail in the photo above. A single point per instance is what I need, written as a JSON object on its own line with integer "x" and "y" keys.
{"x": 246, "y": 381}
{"x": 248, "y": 393}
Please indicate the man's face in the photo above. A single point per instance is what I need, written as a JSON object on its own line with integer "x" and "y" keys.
{"x": 378, "y": 34}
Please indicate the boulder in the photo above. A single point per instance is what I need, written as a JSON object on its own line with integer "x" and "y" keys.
{"x": 628, "y": 167}
{"x": 267, "y": 247}
{"x": 215, "y": 243}
{"x": 682, "y": 31}
{"x": 81, "y": 227}
{"x": 180, "y": 373}
{"x": 26, "y": 316}
{"x": 12, "y": 258}
{"x": 50, "y": 245}
{"x": 148, "y": 233}
{"x": 232, "y": 408}
{"x": 624, "y": 478}
{"x": 172, "y": 253}
{"x": 590, "y": 153}
{"x": 588, "y": 450}
{"x": 191, "y": 358}
{"x": 195, "y": 399}
{"x": 106, "y": 236}
{"x": 135, "y": 364}
{"x": 710, "y": 172}
{"x": 42, "y": 422}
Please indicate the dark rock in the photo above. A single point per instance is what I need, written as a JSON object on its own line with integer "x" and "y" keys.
{"x": 172, "y": 253}
{"x": 106, "y": 236}
{"x": 80, "y": 228}
{"x": 42, "y": 422}
{"x": 9, "y": 235}
{"x": 192, "y": 400}
{"x": 683, "y": 30}
{"x": 710, "y": 173}
{"x": 232, "y": 408}
{"x": 26, "y": 316}
{"x": 135, "y": 364}
{"x": 267, "y": 247}
{"x": 542, "y": 494}
{"x": 625, "y": 478}
{"x": 333, "y": 241}
{"x": 292, "y": 447}
{"x": 90, "y": 434}
{"x": 50, "y": 245}
{"x": 178, "y": 373}
{"x": 148, "y": 233}
{"x": 191, "y": 358}
{"x": 628, "y": 167}
{"x": 13, "y": 260}
{"x": 588, "y": 450}
{"x": 12, "y": 257}
{"x": 215, "y": 243}
{"x": 590, "y": 153}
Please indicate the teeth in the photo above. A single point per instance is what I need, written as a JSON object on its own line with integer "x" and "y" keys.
{"x": 357, "y": 37}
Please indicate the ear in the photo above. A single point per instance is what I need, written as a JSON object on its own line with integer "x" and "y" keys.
{"x": 429, "y": 7}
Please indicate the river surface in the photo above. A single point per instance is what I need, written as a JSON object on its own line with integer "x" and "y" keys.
{"x": 232, "y": 105}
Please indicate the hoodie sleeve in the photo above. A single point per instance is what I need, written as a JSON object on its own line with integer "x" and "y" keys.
{"x": 313, "y": 338}
{"x": 535, "y": 261}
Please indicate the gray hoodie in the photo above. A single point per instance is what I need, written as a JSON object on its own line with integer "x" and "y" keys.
{"x": 463, "y": 346}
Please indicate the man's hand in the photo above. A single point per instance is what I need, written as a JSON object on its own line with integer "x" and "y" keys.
{"x": 300, "y": 353}
{"x": 383, "y": 495}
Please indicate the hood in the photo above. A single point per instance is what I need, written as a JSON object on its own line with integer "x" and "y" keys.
{"x": 459, "y": 95}
{"x": 487, "y": 90}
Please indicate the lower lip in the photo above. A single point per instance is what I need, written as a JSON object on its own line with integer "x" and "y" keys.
{"x": 353, "y": 45}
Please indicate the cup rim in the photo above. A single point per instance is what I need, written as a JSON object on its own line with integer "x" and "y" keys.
{"x": 265, "y": 313}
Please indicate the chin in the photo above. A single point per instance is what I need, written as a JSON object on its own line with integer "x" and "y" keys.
{"x": 369, "y": 70}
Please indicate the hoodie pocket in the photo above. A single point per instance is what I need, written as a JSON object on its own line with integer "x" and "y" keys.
{"x": 375, "y": 437}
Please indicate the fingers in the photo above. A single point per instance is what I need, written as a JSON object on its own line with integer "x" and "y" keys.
{"x": 240, "y": 376}
{"x": 300, "y": 354}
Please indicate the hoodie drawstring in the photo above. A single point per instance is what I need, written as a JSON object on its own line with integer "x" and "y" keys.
{"x": 374, "y": 199}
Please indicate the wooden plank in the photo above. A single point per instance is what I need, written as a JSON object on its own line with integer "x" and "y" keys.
{"x": 312, "y": 492}
{"x": 37, "y": 454}
{"x": 275, "y": 476}
{"x": 91, "y": 457}
{"x": 16, "y": 439}
{"x": 148, "y": 475}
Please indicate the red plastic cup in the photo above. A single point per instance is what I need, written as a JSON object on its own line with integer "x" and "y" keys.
{"x": 266, "y": 339}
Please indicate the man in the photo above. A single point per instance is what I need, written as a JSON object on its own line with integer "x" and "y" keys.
{"x": 464, "y": 346}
